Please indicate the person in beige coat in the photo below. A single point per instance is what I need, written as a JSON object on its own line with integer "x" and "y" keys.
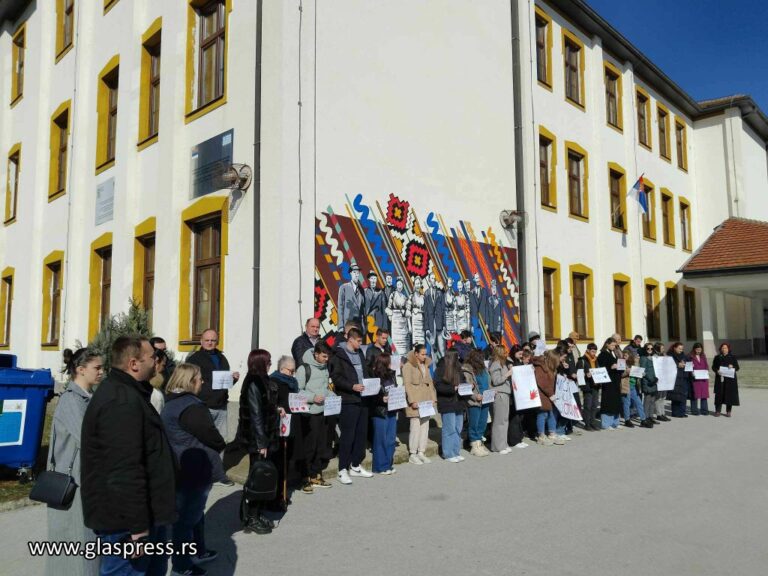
{"x": 418, "y": 388}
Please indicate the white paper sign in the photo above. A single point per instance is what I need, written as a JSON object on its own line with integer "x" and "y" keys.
{"x": 524, "y": 387}
{"x": 332, "y": 405}
{"x": 726, "y": 372}
{"x": 465, "y": 389}
{"x": 689, "y": 366}
{"x": 222, "y": 380}
{"x": 541, "y": 347}
{"x": 573, "y": 386}
{"x": 489, "y": 396}
{"x": 564, "y": 400}
{"x": 701, "y": 374}
{"x": 395, "y": 362}
{"x": 580, "y": 377}
{"x": 297, "y": 403}
{"x": 372, "y": 386}
{"x": 426, "y": 409}
{"x": 666, "y": 372}
{"x": 600, "y": 376}
{"x": 636, "y": 372}
{"x": 285, "y": 425}
{"x": 396, "y": 398}
{"x": 621, "y": 364}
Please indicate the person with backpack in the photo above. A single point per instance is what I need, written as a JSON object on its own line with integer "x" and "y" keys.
{"x": 312, "y": 376}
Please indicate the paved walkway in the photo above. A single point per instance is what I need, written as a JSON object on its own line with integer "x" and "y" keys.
{"x": 688, "y": 497}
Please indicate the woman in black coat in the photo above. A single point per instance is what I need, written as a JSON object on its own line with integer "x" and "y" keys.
{"x": 610, "y": 403}
{"x": 726, "y": 389}
{"x": 450, "y": 405}
{"x": 682, "y": 390}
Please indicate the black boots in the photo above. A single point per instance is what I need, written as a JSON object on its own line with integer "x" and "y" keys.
{"x": 647, "y": 423}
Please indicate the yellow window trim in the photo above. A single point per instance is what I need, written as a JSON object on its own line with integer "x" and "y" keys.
{"x": 61, "y": 49}
{"x": 552, "y": 171}
{"x": 94, "y": 280}
{"x": 57, "y": 256}
{"x": 64, "y": 108}
{"x": 9, "y": 217}
{"x": 16, "y": 92}
{"x": 590, "y": 296}
{"x": 568, "y": 36}
{"x": 627, "y": 281}
{"x": 655, "y": 286}
{"x": 5, "y": 295}
{"x": 651, "y": 208}
{"x": 556, "y": 293}
{"x": 190, "y": 112}
{"x": 689, "y": 290}
{"x": 680, "y": 122}
{"x": 648, "y": 123}
{"x": 609, "y": 66}
{"x": 573, "y": 147}
{"x": 109, "y": 4}
{"x": 613, "y": 167}
{"x": 206, "y": 206}
{"x": 661, "y": 108}
{"x": 672, "y": 287}
{"x": 684, "y": 202}
{"x": 544, "y": 16}
{"x": 149, "y": 39}
{"x": 102, "y": 113}
{"x": 666, "y": 193}
{"x": 146, "y": 228}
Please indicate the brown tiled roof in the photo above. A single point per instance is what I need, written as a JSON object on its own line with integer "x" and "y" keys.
{"x": 736, "y": 244}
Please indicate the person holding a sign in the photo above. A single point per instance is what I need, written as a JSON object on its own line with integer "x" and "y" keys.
{"x": 450, "y": 405}
{"x": 610, "y": 404}
{"x": 501, "y": 383}
{"x": 700, "y": 380}
{"x": 648, "y": 384}
{"x": 384, "y": 421}
{"x": 725, "y": 367}
{"x": 292, "y": 447}
{"x": 681, "y": 392}
{"x": 312, "y": 377}
{"x": 475, "y": 374}
{"x": 590, "y": 389}
{"x": 661, "y": 397}
{"x": 545, "y": 370}
{"x": 417, "y": 380}
{"x": 633, "y": 397}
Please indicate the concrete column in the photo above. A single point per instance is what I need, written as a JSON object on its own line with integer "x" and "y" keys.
{"x": 758, "y": 326}
{"x": 707, "y": 323}
{"x": 720, "y": 311}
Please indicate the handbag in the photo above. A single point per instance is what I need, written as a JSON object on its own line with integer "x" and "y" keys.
{"x": 55, "y": 488}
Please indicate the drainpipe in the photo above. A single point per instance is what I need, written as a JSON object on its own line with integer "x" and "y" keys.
{"x": 257, "y": 182}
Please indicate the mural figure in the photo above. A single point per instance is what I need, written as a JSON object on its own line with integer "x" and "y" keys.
{"x": 461, "y": 305}
{"x": 494, "y": 311}
{"x": 389, "y": 289}
{"x": 450, "y": 307}
{"x": 416, "y": 313}
{"x": 478, "y": 301}
{"x": 434, "y": 317}
{"x": 375, "y": 305}
{"x": 351, "y": 301}
{"x": 397, "y": 312}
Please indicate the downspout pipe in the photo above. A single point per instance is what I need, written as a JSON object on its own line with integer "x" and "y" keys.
{"x": 257, "y": 182}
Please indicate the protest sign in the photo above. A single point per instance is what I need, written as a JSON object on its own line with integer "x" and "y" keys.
{"x": 689, "y": 366}
{"x": 600, "y": 376}
{"x": 666, "y": 372}
{"x": 564, "y": 400}
{"x": 332, "y": 405}
{"x": 580, "y": 377}
{"x": 524, "y": 387}
{"x": 636, "y": 372}
{"x": 621, "y": 364}
{"x": 297, "y": 403}
{"x": 395, "y": 362}
{"x": 372, "y": 386}
{"x": 396, "y": 398}
{"x": 726, "y": 372}
{"x": 285, "y": 425}
{"x": 426, "y": 409}
{"x": 465, "y": 389}
{"x": 489, "y": 396}
{"x": 222, "y": 380}
{"x": 701, "y": 374}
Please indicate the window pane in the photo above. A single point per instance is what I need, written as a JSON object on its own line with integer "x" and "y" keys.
{"x": 208, "y": 74}
{"x": 544, "y": 147}
{"x": 549, "y": 310}
{"x": 204, "y": 294}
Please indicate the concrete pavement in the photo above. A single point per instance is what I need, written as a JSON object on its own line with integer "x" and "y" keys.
{"x": 688, "y": 497}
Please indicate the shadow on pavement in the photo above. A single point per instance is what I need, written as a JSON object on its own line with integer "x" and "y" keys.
{"x": 222, "y": 521}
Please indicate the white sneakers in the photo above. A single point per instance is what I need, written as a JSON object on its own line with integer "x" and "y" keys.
{"x": 454, "y": 459}
{"x": 359, "y": 472}
{"x": 414, "y": 459}
{"x": 423, "y": 458}
{"x": 344, "y": 477}
{"x": 506, "y": 450}
{"x": 521, "y": 445}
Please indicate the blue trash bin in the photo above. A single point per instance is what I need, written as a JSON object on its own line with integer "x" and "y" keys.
{"x": 23, "y": 398}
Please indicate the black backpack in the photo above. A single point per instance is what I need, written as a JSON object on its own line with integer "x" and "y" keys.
{"x": 261, "y": 486}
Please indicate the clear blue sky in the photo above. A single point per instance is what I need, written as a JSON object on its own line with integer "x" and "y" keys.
{"x": 710, "y": 48}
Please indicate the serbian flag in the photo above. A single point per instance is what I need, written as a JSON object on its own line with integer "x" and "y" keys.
{"x": 638, "y": 193}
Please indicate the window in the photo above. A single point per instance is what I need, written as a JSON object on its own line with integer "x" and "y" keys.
{"x": 685, "y": 225}
{"x": 551, "y": 281}
{"x": 667, "y": 223}
{"x": 673, "y": 312}
{"x": 106, "y": 283}
{"x": 621, "y": 308}
{"x": 12, "y": 184}
{"x": 543, "y": 48}
{"x": 581, "y": 300}
{"x": 578, "y": 172}
{"x": 53, "y": 283}
{"x": 65, "y": 26}
{"x": 649, "y": 219}
{"x": 149, "y": 104}
{"x": 207, "y": 255}
{"x": 59, "y": 149}
{"x": 643, "y": 119}
{"x": 148, "y": 280}
{"x": 206, "y": 56}
{"x": 573, "y": 68}
{"x": 613, "y": 96}
{"x": 144, "y": 266}
{"x": 617, "y": 186}
{"x": 681, "y": 140}
{"x": 545, "y": 172}
{"x": 106, "y": 141}
{"x": 6, "y": 307}
{"x": 100, "y": 280}
{"x": 652, "y": 320}
{"x": 19, "y": 48}
{"x": 663, "y": 118}
{"x": 689, "y": 305}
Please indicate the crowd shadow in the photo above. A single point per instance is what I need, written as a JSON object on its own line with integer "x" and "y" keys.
{"x": 222, "y": 521}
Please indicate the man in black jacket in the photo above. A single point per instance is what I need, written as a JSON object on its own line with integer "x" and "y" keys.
{"x": 307, "y": 340}
{"x": 128, "y": 477}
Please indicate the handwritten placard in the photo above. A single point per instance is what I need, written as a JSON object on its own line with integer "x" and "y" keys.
{"x": 396, "y": 398}
{"x": 222, "y": 380}
{"x": 636, "y": 372}
{"x": 371, "y": 386}
{"x": 564, "y": 400}
{"x": 426, "y": 409}
{"x": 621, "y": 364}
{"x": 726, "y": 372}
{"x": 465, "y": 389}
{"x": 297, "y": 403}
{"x": 600, "y": 376}
{"x": 701, "y": 374}
{"x": 666, "y": 371}
{"x": 395, "y": 362}
{"x": 285, "y": 425}
{"x": 689, "y": 366}
{"x": 489, "y": 396}
{"x": 332, "y": 405}
{"x": 524, "y": 387}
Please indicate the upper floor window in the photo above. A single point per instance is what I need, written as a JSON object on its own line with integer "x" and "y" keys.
{"x": 107, "y": 101}
{"x": 643, "y": 119}
{"x": 545, "y": 170}
{"x": 612, "y": 97}
{"x": 577, "y": 196}
{"x": 65, "y": 26}
{"x": 543, "y": 48}
{"x": 668, "y": 230}
{"x": 681, "y": 140}
{"x": 573, "y": 57}
{"x": 617, "y": 212}
{"x": 19, "y": 49}
{"x": 649, "y": 219}
{"x": 59, "y": 151}
{"x": 149, "y": 92}
{"x": 663, "y": 117}
{"x": 211, "y": 54}
{"x": 685, "y": 225}
{"x": 207, "y": 270}
{"x": 12, "y": 185}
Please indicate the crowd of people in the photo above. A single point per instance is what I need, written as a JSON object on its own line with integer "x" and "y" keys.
{"x": 145, "y": 443}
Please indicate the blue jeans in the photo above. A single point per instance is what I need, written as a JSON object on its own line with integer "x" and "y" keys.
{"x": 384, "y": 440}
{"x": 453, "y": 422}
{"x": 478, "y": 421}
{"x": 610, "y": 420}
{"x": 141, "y": 566}
{"x": 545, "y": 419}
{"x": 560, "y": 422}
{"x": 190, "y": 525}
{"x": 704, "y": 410}
{"x": 632, "y": 399}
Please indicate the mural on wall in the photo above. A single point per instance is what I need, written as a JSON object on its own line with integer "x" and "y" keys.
{"x": 380, "y": 266}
